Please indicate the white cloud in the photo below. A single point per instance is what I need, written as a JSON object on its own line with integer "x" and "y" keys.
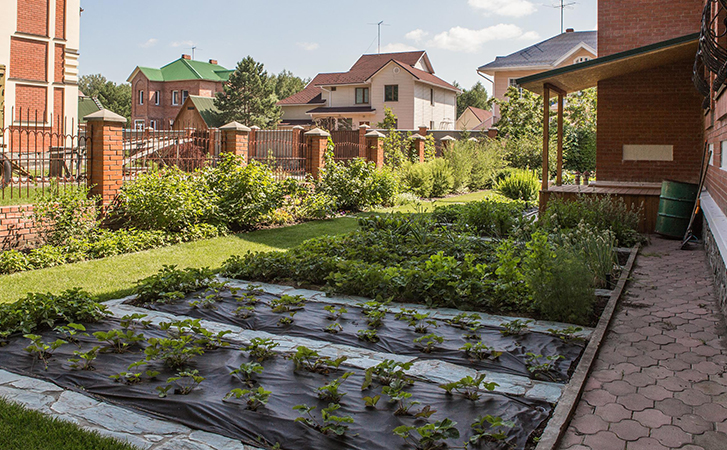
{"x": 189, "y": 44}
{"x": 530, "y": 36}
{"x": 511, "y": 8}
{"x": 150, "y": 43}
{"x": 397, "y": 47}
{"x": 308, "y": 46}
{"x": 461, "y": 39}
{"x": 416, "y": 35}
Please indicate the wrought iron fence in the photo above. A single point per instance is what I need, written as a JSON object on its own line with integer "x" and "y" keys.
{"x": 348, "y": 145}
{"x": 284, "y": 151}
{"x": 188, "y": 149}
{"x": 40, "y": 153}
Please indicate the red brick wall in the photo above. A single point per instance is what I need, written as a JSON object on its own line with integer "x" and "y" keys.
{"x": 59, "y": 63}
{"x": 17, "y": 229}
{"x": 627, "y": 24}
{"x": 29, "y": 100}
{"x": 657, "y": 106}
{"x": 61, "y": 19}
{"x": 32, "y": 16}
{"x": 58, "y": 108}
{"x": 715, "y": 123}
{"x": 28, "y": 59}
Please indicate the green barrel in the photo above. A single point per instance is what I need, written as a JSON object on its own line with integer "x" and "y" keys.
{"x": 675, "y": 208}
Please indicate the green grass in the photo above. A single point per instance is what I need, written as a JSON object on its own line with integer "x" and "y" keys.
{"x": 428, "y": 206}
{"x": 19, "y": 196}
{"x": 24, "y": 429}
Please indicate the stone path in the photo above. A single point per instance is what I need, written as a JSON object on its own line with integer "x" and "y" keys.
{"x": 659, "y": 380}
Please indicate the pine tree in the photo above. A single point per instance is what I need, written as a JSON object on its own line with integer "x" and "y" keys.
{"x": 249, "y": 96}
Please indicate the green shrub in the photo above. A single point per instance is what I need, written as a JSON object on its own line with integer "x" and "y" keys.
{"x": 317, "y": 206}
{"x": 597, "y": 248}
{"x": 357, "y": 185}
{"x": 520, "y": 185}
{"x": 473, "y": 164}
{"x": 488, "y": 217}
{"x": 12, "y": 261}
{"x": 65, "y": 213}
{"x": 442, "y": 178}
{"x": 46, "y": 256}
{"x": 171, "y": 283}
{"x": 417, "y": 179}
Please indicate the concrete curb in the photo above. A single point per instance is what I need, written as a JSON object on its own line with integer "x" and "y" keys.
{"x": 558, "y": 423}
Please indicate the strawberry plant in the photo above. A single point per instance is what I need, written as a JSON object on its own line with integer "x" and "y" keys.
{"x": 395, "y": 392}
{"x": 176, "y": 352}
{"x": 480, "y": 351}
{"x": 41, "y": 350}
{"x": 245, "y": 312}
{"x": 330, "y": 423}
{"x": 131, "y": 321}
{"x": 335, "y": 313}
{"x": 490, "y": 429}
{"x": 329, "y": 391}
{"x": 70, "y": 331}
{"x": 469, "y": 386}
{"x": 287, "y": 303}
{"x": 310, "y": 360}
{"x": 543, "y": 369}
{"x": 254, "y": 289}
{"x": 431, "y": 436}
{"x": 208, "y": 339}
{"x": 421, "y": 322}
{"x": 254, "y": 398}
{"x": 428, "y": 342}
{"x": 171, "y": 284}
{"x": 247, "y": 370}
{"x": 248, "y": 299}
{"x": 261, "y": 349}
{"x": 465, "y": 320}
{"x": 514, "y": 327}
{"x": 569, "y": 334}
{"x": 84, "y": 360}
{"x": 386, "y": 373}
{"x": 375, "y": 317}
{"x": 186, "y": 381}
{"x": 333, "y": 328}
{"x": 127, "y": 377}
{"x": 371, "y": 402}
{"x": 368, "y": 335}
{"x": 283, "y": 321}
{"x": 118, "y": 341}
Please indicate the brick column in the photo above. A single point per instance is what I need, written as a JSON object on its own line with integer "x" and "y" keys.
{"x": 236, "y": 137}
{"x": 447, "y": 141}
{"x": 418, "y": 144}
{"x": 423, "y": 130}
{"x": 106, "y": 154}
{"x": 492, "y": 133}
{"x": 317, "y": 143}
{"x": 375, "y": 148}
{"x": 363, "y": 149}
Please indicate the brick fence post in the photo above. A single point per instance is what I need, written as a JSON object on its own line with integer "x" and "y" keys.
{"x": 447, "y": 141}
{"x": 362, "y": 148}
{"x": 317, "y": 143}
{"x": 236, "y": 138}
{"x": 423, "y": 130}
{"x": 492, "y": 132}
{"x": 106, "y": 154}
{"x": 375, "y": 148}
{"x": 418, "y": 143}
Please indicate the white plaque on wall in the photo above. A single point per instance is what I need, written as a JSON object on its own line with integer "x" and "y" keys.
{"x": 648, "y": 153}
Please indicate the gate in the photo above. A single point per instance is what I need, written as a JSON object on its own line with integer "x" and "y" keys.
{"x": 281, "y": 150}
{"x": 348, "y": 145}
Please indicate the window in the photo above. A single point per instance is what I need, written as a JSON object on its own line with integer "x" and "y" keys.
{"x": 391, "y": 93}
{"x": 157, "y": 97}
{"x": 722, "y": 159}
{"x": 185, "y": 94}
{"x": 581, "y": 59}
{"x": 333, "y": 89}
{"x": 512, "y": 82}
{"x": 431, "y": 96}
{"x": 431, "y": 125}
{"x": 175, "y": 98}
{"x": 362, "y": 95}
{"x": 141, "y": 97}
{"x": 139, "y": 125}
{"x": 153, "y": 124}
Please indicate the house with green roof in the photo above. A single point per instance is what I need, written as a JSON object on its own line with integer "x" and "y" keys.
{"x": 199, "y": 113}
{"x": 158, "y": 94}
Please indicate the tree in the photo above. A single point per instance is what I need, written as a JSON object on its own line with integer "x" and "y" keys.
{"x": 521, "y": 113}
{"x": 249, "y": 96}
{"x": 390, "y": 120}
{"x": 287, "y": 84}
{"x": 114, "y": 97}
{"x": 476, "y": 96}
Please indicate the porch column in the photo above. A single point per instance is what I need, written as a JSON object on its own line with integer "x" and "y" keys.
{"x": 559, "y": 168}
{"x": 546, "y": 135}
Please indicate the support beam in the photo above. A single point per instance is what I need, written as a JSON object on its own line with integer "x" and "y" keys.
{"x": 559, "y": 168}
{"x": 546, "y": 135}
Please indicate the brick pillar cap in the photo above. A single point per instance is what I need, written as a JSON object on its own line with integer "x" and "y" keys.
{"x": 374, "y": 133}
{"x": 254, "y": 127}
{"x": 363, "y": 125}
{"x": 448, "y": 138}
{"x": 473, "y": 139}
{"x": 298, "y": 127}
{"x": 104, "y": 115}
{"x": 417, "y": 137}
{"x": 493, "y": 129}
{"x": 317, "y": 132}
{"x": 236, "y": 126}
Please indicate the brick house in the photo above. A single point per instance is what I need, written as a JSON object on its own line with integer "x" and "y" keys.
{"x": 158, "y": 94}
{"x": 404, "y": 82}
{"x": 39, "y": 42}
{"x": 565, "y": 49}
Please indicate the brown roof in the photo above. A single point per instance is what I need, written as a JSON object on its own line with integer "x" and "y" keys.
{"x": 480, "y": 114}
{"x": 341, "y": 109}
{"x": 426, "y": 77}
{"x": 311, "y": 95}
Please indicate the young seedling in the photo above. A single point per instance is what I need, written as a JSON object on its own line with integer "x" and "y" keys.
{"x": 404, "y": 314}
{"x": 84, "y": 360}
{"x": 465, "y": 320}
{"x": 395, "y": 392}
{"x": 207, "y": 302}
{"x": 368, "y": 335}
{"x": 428, "y": 342}
{"x": 330, "y": 424}
{"x": 255, "y": 289}
{"x": 284, "y": 321}
{"x": 175, "y": 352}
{"x": 254, "y": 398}
{"x": 118, "y": 341}
{"x": 329, "y": 391}
{"x": 4, "y": 335}
{"x": 469, "y": 386}
{"x": 245, "y": 312}
{"x": 127, "y": 377}
{"x": 261, "y": 349}
{"x": 333, "y": 328}
{"x": 248, "y": 299}
{"x": 310, "y": 360}
{"x": 247, "y": 370}
{"x": 70, "y": 332}
{"x": 40, "y": 350}
{"x": 386, "y": 373}
{"x": 490, "y": 429}
{"x": 131, "y": 321}
{"x": 371, "y": 402}
{"x": 421, "y": 322}
{"x": 472, "y": 333}
{"x": 335, "y": 313}
{"x": 569, "y": 334}
{"x": 543, "y": 369}
{"x": 374, "y": 312}
{"x": 514, "y": 327}
{"x": 186, "y": 381}
{"x": 480, "y": 351}
{"x": 287, "y": 303}
{"x": 431, "y": 436}
{"x": 210, "y": 340}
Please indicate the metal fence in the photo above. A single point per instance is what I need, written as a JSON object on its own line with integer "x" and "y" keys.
{"x": 284, "y": 151}
{"x": 348, "y": 145}
{"x": 186, "y": 148}
{"x": 40, "y": 153}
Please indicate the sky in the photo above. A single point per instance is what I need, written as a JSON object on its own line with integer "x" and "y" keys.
{"x": 317, "y": 35}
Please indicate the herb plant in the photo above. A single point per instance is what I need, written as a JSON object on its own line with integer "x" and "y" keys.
{"x": 70, "y": 331}
{"x": 118, "y": 341}
{"x": 186, "y": 381}
{"x": 469, "y": 386}
{"x": 515, "y": 327}
{"x": 335, "y": 313}
{"x": 247, "y": 370}
{"x": 369, "y": 335}
{"x": 333, "y": 328}
{"x": 543, "y": 368}
{"x": 254, "y": 398}
{"x": 386, "y": 373}
{"x": 330, "y": 424}
{"x": 480, "y": 351}
{"x": 287, "y": 303}
{"x": 261, "y": 349}
{"x": 395, "y": 392}
{"x": 431, "y": 436}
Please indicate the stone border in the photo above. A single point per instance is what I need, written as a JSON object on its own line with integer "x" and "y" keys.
{"x": 566, "y": 406}
{"x": 714, "y": 235}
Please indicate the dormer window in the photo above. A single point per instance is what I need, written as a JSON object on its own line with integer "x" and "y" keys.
{"x": 362, "y": 96}
{"x": 581, "y": 59}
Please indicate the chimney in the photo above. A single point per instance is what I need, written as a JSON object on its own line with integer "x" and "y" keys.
{"x": 184, "y": 56}
{"x": 213, "y": 61}
{"x": 569, "y": 30}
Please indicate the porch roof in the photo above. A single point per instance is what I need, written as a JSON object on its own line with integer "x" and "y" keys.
{"x": 587, "y": 74}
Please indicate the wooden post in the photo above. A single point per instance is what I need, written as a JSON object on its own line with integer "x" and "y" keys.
{"x": 559, "y": 168}
{"x": 546, "y": 135}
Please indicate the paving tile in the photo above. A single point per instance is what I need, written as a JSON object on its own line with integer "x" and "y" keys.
{"x": 652, "y": 418}
{"x": 629, "y": 430}
{"x": 709, "y": 368}
{"x": 673, "y": 407}
{"x": 639, "y": 379}
{"x": 645, "y": 444}
{"x": 692, "y": 424}
{"x": 712, "y": 412}
{"x": 604, "y": 440}
{"x": 612, "y": 412}
{"x": 671, "y": 436}
{"x": 635, "y": 402}
{"x": 711, "y": 440}
{"x": 654, "y": 392}
{"x": 693, "y": 397}
{"x": 599, "y": 397}
{"x": 619, "y": 387}
{"x": 590, "y": 424}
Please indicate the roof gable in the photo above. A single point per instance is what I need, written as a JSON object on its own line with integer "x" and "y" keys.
{"x": 205, "y": 107}
{"x": 185, "y": 69}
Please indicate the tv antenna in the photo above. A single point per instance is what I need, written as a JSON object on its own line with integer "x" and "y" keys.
{"x": 193, "y": 49}
{"x": 379, "y": 26}
{"x": 562, "y": 6}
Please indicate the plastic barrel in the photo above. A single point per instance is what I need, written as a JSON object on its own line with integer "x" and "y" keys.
{"x": 675, "y": 208}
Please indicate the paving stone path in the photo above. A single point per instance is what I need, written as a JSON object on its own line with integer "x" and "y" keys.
{"x": 659, "y": 381}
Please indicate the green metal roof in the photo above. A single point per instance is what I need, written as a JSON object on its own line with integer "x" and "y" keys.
{"x": 86, "y": 106}
{"x": 187, "y": 69}
{"x": 207, "y": 109}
